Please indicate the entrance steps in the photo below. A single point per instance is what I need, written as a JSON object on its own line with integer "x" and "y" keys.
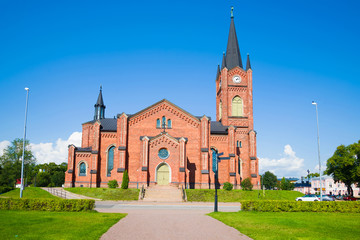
{"x": 163, "y": 194}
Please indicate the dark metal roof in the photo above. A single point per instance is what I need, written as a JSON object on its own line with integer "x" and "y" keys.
{"x": 79, "y": 149}
{"x": 218, "y": 128}
{"x": 248, "y": 65}
{"x": 233, "y": 56}
{"x": 100, "y": 101}
{"x": 223, "y": 63}
{"x": 218, "y": 72}
{"x": 107, "y": 124}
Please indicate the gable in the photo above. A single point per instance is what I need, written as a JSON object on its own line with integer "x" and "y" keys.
{"x": 164, "y": 105}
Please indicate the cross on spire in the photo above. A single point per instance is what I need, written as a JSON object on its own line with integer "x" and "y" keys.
{"x": 164, "y": 126}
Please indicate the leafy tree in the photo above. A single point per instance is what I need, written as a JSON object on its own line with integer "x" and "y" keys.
{"x": 344, "y": 165}
{"x": 312, "y": 175}
{"x": 58, "y": 178}
{"x": 246, "y": 184}
{"x": 10, "y": 162}
{"x": 285, "y": 184}
{"x": 269, "y": 180}
{"x": 43, "y": 179}
{"x": 125, "y": 180}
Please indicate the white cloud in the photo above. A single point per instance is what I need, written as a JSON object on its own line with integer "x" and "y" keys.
{"x": 3, "y": 145}
{"x": 55, "y": 152}
{"x": 289, "y": 165}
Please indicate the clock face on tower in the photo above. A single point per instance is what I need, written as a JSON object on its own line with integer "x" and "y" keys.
{"x": 236, "y": 79}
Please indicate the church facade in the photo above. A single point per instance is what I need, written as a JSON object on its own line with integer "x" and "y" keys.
{"x": 165, "y": 145}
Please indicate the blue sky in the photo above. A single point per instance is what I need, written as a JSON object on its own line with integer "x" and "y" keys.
{"x": 144, "y": 51}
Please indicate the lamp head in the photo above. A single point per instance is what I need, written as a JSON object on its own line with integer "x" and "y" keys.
{"x": 314, "y": 103}
{"x": 27, "y": 89}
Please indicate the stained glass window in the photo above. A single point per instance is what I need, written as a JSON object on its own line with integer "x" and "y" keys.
{"x": 82, "y": 169}
{"x": 110, "y": 164}
{"x": 163, "y": 153}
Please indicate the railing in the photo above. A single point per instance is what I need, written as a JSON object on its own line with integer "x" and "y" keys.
{"x": 183, "y": 193}
{"x": 57, "y": 192}
{"x": 142, "y": 193}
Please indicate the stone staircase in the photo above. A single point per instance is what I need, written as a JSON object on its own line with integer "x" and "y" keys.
{"x": 163, "y": 194}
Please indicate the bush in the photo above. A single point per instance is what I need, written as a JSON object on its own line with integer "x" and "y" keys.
{"x": 228, "y": 186}
{"x": 113, "y": 184}
{"x": 246, "y": 184}
{"x": 125, "y": 180}
{"x": 299, "y": 206}
{"x": 58, "y": 205}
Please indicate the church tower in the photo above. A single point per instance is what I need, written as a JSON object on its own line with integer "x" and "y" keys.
{"x": 99, "y": 107}
{"x": 234, "y": 104}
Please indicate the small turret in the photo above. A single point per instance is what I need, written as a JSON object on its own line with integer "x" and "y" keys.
{"x": 248, "y": 65}
{"x": 99, "y": 107}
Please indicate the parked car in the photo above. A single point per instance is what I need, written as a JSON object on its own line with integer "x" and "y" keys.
{"x": 328, "y": 198}
{"x": 308, "y": 197}
{"x": 349, "y": 198}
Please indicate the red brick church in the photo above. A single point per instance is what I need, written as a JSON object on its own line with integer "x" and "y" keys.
{"x": 164, "y": 144}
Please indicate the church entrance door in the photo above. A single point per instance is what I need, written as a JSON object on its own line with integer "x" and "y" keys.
{"x": 163, "y": 174}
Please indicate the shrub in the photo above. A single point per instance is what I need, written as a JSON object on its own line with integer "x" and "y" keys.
{"x": 125, "y": 180}
{"x": 299, "y": 206}
{"x": 228, "y": 186}
{"x": 58, "y": 205}
{"x": 246, "y": 184}
{"x": 113, "y": 184}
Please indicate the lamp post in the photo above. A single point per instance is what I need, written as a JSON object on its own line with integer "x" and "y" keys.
{"x": 24, "y": 140}
{"x": 318, "y": 141}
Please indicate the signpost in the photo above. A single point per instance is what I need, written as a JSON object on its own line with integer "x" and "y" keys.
{"x": 215, "y": 167}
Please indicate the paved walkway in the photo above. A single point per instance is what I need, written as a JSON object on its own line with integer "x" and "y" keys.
{"x": 168, "y": 220}
{"x": 61, "y": 192}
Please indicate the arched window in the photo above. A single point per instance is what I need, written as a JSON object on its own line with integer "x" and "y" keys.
{"x": 163, "y": 120}
{"x": 169, "y": 123}
{"x": 82, "y": 171}
{"x": 220, "y": 110}
{"x": 237, "y": 106}
{"x": 158, "y": 124}
{"x": 110, "y": 163}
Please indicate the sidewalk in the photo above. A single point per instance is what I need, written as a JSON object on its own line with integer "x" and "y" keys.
{"x": 168, "y": 220}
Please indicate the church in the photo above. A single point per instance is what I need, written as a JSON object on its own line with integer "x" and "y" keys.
{"x": 164, "y": 144}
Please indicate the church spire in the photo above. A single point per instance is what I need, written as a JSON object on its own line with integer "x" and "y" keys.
{"x": 99, "y": 107}
{"x": 248, "y": 65}
{"x": 218, "y": 72}
{"x": 233, "y": 57}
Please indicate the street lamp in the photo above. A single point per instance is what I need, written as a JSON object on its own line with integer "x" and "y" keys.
{"x": 24, "y": 140}
{"x": 318, "y": 141}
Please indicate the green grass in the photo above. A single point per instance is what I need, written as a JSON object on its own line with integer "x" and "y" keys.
{"x": 107, "y": 193}
{"x": 298, "y": 225}
{"x": 55, "y": 225}
{"x": 29, "y": 192}
{"x": 207, "y": 195}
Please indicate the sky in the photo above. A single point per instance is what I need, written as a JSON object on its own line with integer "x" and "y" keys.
{"x": 145, "y": 51}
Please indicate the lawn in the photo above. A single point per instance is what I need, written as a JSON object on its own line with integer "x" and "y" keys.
{"x": 293, "y": 225}
{"x": 29, "y": 192}
{"x": 207, "y": 195}
{"x": 55, "y": 225}
{"x": 107, "y": 193}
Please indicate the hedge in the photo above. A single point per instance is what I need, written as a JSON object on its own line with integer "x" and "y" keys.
{"x": 57, "y": 205}
{"x": 299, "y": 206}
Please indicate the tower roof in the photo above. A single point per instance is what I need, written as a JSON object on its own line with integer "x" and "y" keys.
{"x": 218, "y": 72}
{"x": 248, "y": 65}
{"x": 100, "y": 101}
{"x": 233, "y": 57}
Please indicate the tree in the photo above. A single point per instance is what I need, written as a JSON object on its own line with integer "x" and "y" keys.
{"x": 246, "y": 184}
{"x": 125, "y": 180}
{"x": 344, "y": 165}
{"x": 312, "y": 175}
{"x": 10, "y": 162}
{"x": 285, "y": 184}
{"x": 269, "y": 180}
{"x": 43, "y": 179}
